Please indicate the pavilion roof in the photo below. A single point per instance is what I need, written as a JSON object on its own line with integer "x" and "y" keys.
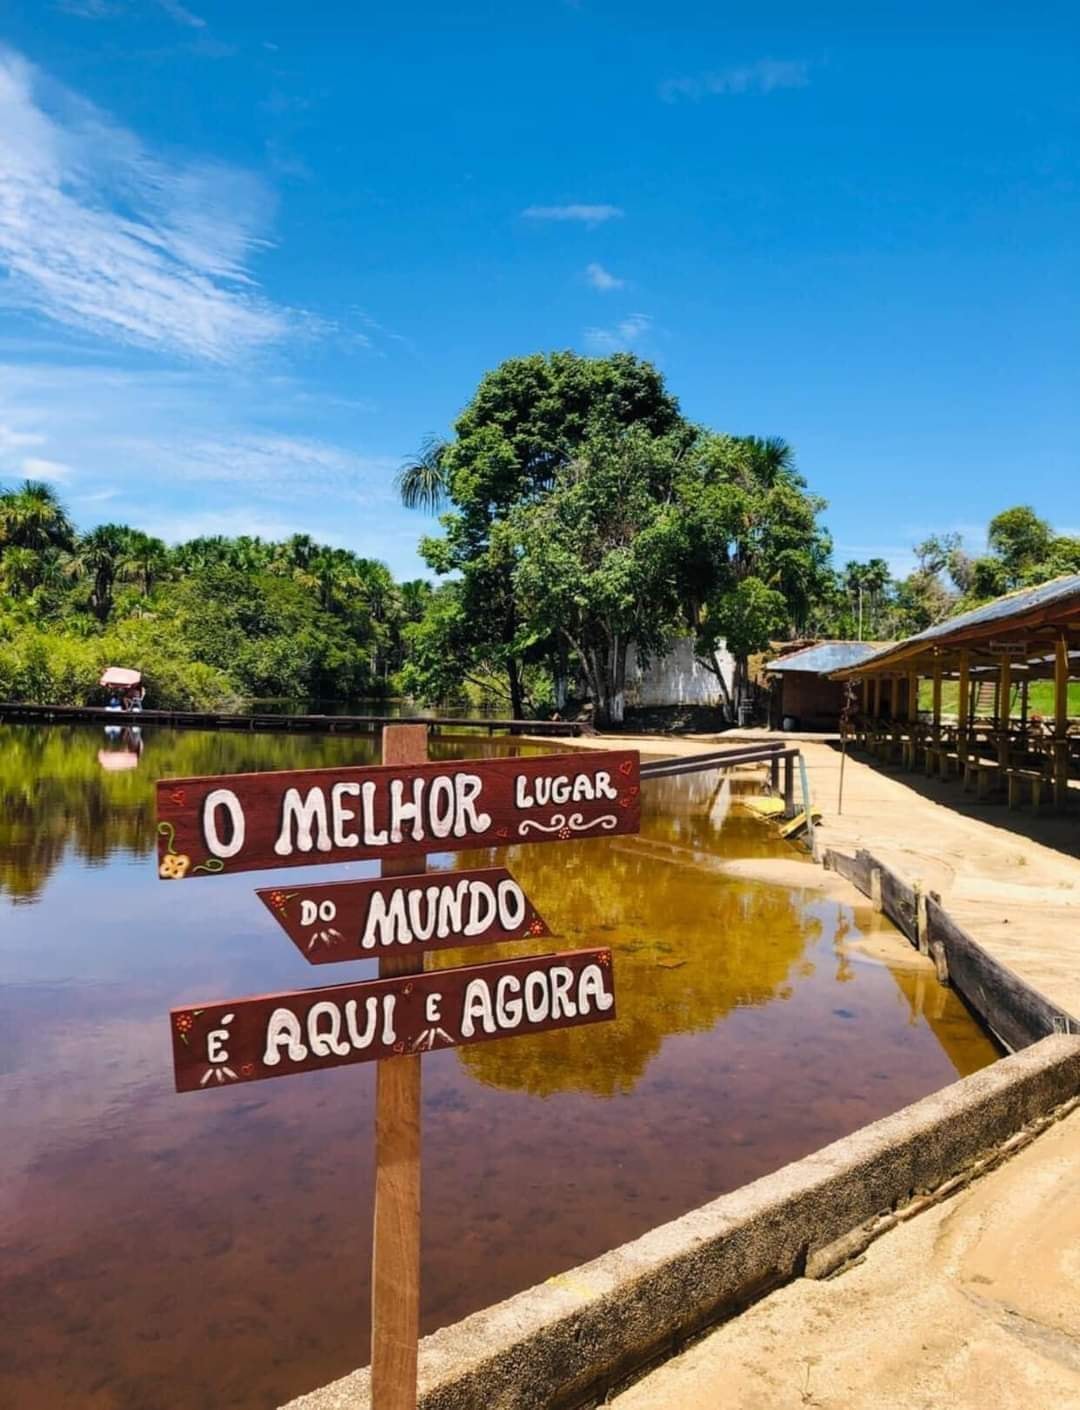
{"x": 1031, "y": 617}
{"x": 825, "y": 657}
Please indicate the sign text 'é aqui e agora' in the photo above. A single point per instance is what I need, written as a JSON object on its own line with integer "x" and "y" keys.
{"x": 276, "y": 1035}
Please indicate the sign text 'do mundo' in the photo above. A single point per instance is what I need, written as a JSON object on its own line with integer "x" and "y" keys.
{"x": 361, "y": 920}
{"x": 277, "y": 1035}
{"x": 245, "y": 822}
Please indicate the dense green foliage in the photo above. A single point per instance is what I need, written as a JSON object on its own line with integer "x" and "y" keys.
{"x": 208, "y": 622}
{"x": 527, "y": 421}
{"x": 866, "y": 603}
{"x": 583, "y": 515}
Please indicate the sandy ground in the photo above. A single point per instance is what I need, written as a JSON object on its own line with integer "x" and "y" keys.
{"x": 974, "y": 1305}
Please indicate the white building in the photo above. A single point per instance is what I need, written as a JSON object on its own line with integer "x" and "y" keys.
{"x": 678, "y": 678}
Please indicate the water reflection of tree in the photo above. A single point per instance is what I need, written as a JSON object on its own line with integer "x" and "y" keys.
{"x": 56, "y": 798}
{"x": 689, "y": 947}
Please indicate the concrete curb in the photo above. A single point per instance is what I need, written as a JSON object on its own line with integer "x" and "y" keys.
{"x": 564, "y": 1343}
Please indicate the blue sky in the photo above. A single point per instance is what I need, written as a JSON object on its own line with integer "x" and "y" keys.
{"x": 250, "y": 253}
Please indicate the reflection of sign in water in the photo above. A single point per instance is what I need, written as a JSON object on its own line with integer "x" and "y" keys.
{"x": 276, "y": 1035}
{"x": 357, "y": 920}
{"x": 242, "y": 822}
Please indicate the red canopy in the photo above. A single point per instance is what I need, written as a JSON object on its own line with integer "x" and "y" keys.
{"x": 112, "y": 760}
{"x": 120, "y": 675}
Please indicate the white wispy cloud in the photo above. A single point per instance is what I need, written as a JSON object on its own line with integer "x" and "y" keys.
{"x": 764, "y": 76}
{"x": 35, "y": 468}
{"x": 98, "y": 496}
{"x": 98, "y": 233}
{"x": 90, "y": 9}
{"x": 268, "y": 462}
{"x": 196, "y": 450}
{"x": 10, "y": 439}
{"x": 181, "y": 14}
{"x": 621, "y": 337}
{"x": 602, "y": 279}
{"x": 586, "y": 214}
{"x": 113, "y": 9}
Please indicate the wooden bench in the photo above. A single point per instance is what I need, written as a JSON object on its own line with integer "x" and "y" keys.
{"x": 940, "y": 759}
{"x": 1017, "y": 778}
{"x": 981, "y": 772}
{"x": 911, "y": 747}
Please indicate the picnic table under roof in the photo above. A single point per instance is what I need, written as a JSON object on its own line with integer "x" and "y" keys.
{"x": 1029, "y": 635}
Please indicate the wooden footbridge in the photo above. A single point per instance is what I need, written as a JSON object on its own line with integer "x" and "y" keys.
{"x": 14, "y": 712}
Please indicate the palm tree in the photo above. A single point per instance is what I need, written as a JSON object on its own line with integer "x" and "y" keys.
{"x": 145, "y": 560}
{"x": 33, "y": 517}
{"x": 295, "y": 554}
{"x": 855, "y": 585}
{"x": 876, "y": 578}
{"x": 771, "y": 459}
{"x": 99, "y": 555}
{"x": 20, "y": 570}
{"x": 423, "y": 482}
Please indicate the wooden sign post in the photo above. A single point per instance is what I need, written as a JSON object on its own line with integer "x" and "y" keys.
{"x": 398, "y": 812}
{"x": 395, "y": 1245}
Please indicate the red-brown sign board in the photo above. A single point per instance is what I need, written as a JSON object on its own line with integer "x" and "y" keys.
{"x": 276, "y": 1035}
{"x": 244, "y": 822}
{"x": 363, "y": 920}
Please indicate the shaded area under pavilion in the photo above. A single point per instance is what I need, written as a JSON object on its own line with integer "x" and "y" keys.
{"x": 993, "y": 740}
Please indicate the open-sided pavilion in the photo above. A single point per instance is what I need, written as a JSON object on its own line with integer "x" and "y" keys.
{"x": 994, "y": 654}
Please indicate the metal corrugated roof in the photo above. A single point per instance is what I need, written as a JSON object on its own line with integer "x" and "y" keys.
{"x": 826, "y": 656}
{"x": 992, "y": 614}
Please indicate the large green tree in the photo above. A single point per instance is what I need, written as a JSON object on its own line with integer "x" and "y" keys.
{"x": 755, "y": 557}
{"x": 596, "y": 557}
{"x": 526, "y": 422}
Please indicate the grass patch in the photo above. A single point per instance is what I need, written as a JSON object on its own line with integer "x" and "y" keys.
{"x": 1040, "y": 698}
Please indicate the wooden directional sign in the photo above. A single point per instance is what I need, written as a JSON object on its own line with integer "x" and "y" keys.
{"x": 362, "y": 920}
{"x": 243, "y": 822}
{"x": 276, "y": 1035}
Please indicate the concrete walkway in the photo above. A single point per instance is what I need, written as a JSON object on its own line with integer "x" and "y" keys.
{"x": 974, "y": 1305}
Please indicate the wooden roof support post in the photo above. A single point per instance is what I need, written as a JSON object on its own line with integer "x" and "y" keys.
{"x": 1061, "y": 721}
{"x": 913, "y": 696}
{"x": 395, "y": 1265}
{"x": 962, "y": 735}
{"x": 1004, "y": 710}
{"x": 937, "y": 703}
{"x": 876, "y": 710}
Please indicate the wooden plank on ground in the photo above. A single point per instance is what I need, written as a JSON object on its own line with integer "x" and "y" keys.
{"x": 1011, "y": 1008}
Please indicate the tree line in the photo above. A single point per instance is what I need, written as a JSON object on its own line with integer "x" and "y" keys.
{"x": 210, "y": 621}
{"x": 580, "y": 512}
{"x": 865, "y": 602}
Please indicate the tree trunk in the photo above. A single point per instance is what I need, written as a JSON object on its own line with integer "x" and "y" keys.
{"x": 517, "y": 708}
{"x": 608, "y": 672}
{"x": 618, "y": 683}
{"x": 712, "y": 664}
{"x": 742, "y": 677}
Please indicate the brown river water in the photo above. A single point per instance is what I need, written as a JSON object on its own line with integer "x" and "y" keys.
{"x": 164, "y": 1252}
